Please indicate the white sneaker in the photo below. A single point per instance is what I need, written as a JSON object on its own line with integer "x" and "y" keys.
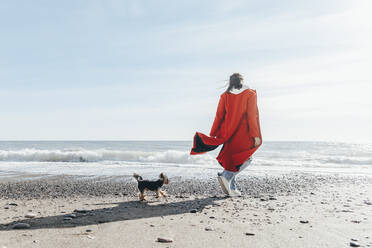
{"x": 235, "y": 193}
{"x": 225, "y": 185}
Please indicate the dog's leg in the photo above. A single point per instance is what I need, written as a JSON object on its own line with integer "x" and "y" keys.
{"x": 158, "y": 192}
{"x": 163, "y": 193}
{"x": 142, "y": 196}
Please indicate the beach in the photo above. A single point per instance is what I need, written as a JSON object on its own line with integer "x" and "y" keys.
{"x": 292, "y": 210}
{"x": 98, "y": 95}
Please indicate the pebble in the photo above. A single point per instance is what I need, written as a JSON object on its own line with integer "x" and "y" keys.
{"x": 89, "y": 230}
{"x": 164, "y": 240}
{"x": 67, "y": 218}
{"x": 81, "y": 211}
{"x": 30, "y": 215}
{"x": 193, "y": 211}
{"x": 70, "y": 216}
{"x": 13, "y": 204}
{"x": 354, "y": 244}
{"x": 21, "y": 226}
{"x": 208, "y": 229}
{"x": 249, "y": 234}
{"x": 304, "y": 221}
{"x": 6, "y": 207}
{"x": 272, "y": 198}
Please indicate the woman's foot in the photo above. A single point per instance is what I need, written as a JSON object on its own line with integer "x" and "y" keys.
{"x": 233, "y": 190}
{"x": 224, "y": 183}
{"x": 235, "y": 193}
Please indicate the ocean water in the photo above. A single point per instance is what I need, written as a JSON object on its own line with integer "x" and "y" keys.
{"x": 149, "y": 158}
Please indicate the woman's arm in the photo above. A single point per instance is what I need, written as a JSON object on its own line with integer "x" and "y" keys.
{"x": 254, "y": 120}
{"x": 220, "y": 115}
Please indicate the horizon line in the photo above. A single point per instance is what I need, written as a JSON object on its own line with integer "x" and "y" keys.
{"x": 171, "y": 140}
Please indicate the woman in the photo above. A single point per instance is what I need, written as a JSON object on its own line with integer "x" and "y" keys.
{"x": 237, "y": 127}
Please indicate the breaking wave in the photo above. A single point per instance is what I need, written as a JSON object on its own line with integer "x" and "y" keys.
{"x": 168, "y": 156}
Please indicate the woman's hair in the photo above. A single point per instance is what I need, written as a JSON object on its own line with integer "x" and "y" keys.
{"x": 235, "y": 82}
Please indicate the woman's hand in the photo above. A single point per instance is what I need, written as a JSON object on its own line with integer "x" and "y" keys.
{"x": 257, "y": 141}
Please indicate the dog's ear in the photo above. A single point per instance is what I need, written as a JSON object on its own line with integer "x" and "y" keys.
{"x": 161, "y": 175}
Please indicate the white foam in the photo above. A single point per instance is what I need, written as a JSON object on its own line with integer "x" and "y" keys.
{"x": 81, "y": 155}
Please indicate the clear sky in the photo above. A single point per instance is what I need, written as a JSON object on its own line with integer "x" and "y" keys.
{"x": 154, "y": 70}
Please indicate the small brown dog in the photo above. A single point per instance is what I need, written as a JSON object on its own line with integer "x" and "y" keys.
{"x": 144, "y": 185}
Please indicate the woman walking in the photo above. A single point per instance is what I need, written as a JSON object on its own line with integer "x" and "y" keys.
{"x": 237, "y": 127}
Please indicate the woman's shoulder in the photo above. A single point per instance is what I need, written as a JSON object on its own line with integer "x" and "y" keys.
{"x": 241, "y": 91}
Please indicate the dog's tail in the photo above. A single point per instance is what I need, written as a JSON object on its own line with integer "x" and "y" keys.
{"x": 137, "y": 177}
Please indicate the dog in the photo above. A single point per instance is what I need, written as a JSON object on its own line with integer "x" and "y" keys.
{"x": 144, "y": 185}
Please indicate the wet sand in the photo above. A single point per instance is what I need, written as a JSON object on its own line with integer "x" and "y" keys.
{"x": 295, "y": 210}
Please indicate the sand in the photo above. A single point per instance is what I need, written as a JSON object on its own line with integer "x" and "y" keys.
{"x": 296, "y": 210}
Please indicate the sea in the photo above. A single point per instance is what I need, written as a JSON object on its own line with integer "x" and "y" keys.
{"x": 38, "y": 159}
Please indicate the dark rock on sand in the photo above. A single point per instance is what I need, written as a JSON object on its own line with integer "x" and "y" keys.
{"x": 193, "y": 211}
{"x": 249, "y": 234}
{"x": 81, "y": 211}
{"x": 208, "y": 229}
{"x": 304, "y": 221}
{"x": 13, "y": 204}
{"x": 89, "y": 230}
{"x": 164, "y": 240}
{"x": 21, "y": 226}
{"x": 354, "y": 244}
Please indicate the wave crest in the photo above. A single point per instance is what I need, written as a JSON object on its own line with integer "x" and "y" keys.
{"x": 169, "y": 156}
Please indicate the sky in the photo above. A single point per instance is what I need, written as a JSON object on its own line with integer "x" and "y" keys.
{"x": 154, "y": 70}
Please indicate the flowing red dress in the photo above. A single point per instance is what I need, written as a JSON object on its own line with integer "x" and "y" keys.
{"x": 235, "y": 126}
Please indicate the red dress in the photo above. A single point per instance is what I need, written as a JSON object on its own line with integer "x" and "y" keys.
{"x": 235, "y": 126}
